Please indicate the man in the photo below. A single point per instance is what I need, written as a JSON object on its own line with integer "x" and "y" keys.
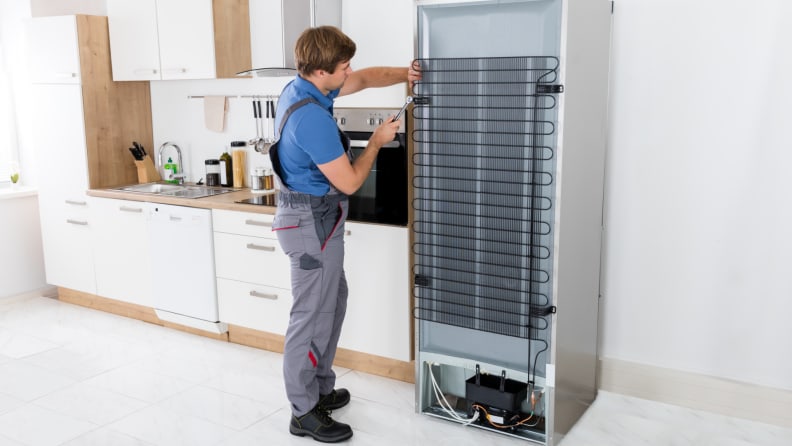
{"x": 316, "y": 175}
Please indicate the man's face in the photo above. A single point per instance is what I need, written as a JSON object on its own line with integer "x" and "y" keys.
{"x": 337, "y": 79}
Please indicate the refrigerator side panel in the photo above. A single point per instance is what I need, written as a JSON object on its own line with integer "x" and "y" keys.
{"x": 583, "y": 112}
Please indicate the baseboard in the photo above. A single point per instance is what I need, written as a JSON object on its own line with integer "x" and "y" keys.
{"x": 701, "y": 392}
{"x": 46, "y": 291}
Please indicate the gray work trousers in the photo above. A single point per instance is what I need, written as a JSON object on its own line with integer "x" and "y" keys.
{"x": 311, "y": 232}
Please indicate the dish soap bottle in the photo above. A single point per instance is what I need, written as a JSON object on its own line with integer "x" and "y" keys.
{"x": 171, "y": 168}
{"x": 226, "y": 170}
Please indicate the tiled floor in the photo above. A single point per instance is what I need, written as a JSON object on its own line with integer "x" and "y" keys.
{"x": 74, "y": 376}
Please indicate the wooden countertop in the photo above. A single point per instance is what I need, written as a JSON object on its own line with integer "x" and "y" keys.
{"x": 221, "y": 201}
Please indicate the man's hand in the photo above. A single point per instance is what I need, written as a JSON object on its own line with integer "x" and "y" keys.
{"x": 413, "y": 73}
{"x": 385, "y": 132}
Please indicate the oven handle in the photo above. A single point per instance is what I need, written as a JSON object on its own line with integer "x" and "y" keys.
{"x": 360, "y": 143}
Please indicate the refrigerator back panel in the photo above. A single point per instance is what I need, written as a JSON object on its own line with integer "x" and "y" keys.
{"x": 491, "y": 29}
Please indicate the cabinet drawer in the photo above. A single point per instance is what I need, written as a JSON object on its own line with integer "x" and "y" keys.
{"x": 243, "y": 223}
{"x": 251, "y": 259}
{"x": 254, "y": 306}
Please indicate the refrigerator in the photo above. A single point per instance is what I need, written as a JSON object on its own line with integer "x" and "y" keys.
{"x": 508, "y": 154}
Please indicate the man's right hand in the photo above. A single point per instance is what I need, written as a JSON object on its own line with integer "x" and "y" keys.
{"x": 385, "y": 132}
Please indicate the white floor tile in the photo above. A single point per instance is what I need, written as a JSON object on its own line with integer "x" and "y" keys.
{"x": 33, "y": 425}
{"x": 27, "y": 382}
{"x": 264, "y": 388}
{"x": 90, "y": 403}
{"x": 162, "y": 427}
{"x": 140, "y": 384}
{"x": 8, "y": 403}
{"x": 106, "y": 437}
{"x": 230, "y": 410}
{"x": 18, "y": 345}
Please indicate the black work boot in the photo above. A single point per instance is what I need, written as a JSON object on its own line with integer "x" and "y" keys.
{"x": 318, "y": 424}
{"x": 336, "y": 399}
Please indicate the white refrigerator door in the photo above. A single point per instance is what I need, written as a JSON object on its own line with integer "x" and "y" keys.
{"x": 182, "y": 251}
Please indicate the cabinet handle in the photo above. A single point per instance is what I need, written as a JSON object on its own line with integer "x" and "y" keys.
{"x": 254, "y": 293}
{"x": 175, "y": 218}
{"x": 145, "y": 71}
{"x": 76, "y": 222}
{"x": 64, "y": 75}
{"x": 76, "y": 203}
{"x": 258, "y": 223}
{"x": 175, "y": 70}
{"x": 347, "y": 232}
{"x": 260, "y": 247}
{"x": 130, "y": 209}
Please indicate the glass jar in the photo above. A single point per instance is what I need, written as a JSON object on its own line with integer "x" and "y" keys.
{"x": 212, "y": 172}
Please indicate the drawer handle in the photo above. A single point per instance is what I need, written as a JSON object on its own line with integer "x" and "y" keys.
{"x": 260, "y": 247}
{"x": 255, "y": 293}
{"x": 76, "y": 222}
{"x": 130, "y": 209}
{"x": 175, "y": 218}
{"x": 258, "y": 223}
{"x": 76, "y": 203}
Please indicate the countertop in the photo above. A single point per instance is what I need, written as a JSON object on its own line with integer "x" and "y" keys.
{"x": 222, "y": 201}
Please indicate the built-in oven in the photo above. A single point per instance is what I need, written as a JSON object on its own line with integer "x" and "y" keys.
{"x": 383, "y": 196}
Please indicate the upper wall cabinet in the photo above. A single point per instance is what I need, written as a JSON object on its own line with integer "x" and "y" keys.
{"x": 178, "y": 39}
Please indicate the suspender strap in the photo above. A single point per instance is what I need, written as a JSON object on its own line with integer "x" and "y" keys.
{"x": 291, "y": 110}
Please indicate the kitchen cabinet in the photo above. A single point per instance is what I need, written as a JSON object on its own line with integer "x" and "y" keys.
{"x": 121, "y": 250}
{"x": 378, "y": 308}
{"x": 178, "y": 39}
{"x": 379, "y": 43}
{"x": 253, "y": 278}
{"x": 80, "y": 137}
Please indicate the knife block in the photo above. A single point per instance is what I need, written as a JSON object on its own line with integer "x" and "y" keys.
{"x": 147, "y": 172}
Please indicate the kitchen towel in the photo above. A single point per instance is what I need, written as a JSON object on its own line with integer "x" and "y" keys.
{"x": 214, "y": 112}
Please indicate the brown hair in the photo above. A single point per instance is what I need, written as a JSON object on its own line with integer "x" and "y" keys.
{"x": 322, "y": 48}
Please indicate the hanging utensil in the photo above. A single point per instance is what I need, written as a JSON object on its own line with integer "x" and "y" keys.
{"x": 259, "y": 147}
{"x": 268, "y": 139}
{"x": 254, "y": 141}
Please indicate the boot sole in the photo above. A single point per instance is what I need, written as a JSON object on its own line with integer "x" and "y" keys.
{"x": 321, "y": 438}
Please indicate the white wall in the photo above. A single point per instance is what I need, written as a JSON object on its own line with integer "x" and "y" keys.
{"x": 698, "y": 247}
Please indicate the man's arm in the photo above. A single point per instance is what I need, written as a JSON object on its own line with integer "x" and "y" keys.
{"x": 375, "y": 77}
{"x": 348, "y": 177}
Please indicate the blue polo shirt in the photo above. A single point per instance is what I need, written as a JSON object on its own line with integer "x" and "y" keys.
{"x": 310, "y": 137}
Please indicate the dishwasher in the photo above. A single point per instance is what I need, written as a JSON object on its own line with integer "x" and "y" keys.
{"x": 182, "y": 261}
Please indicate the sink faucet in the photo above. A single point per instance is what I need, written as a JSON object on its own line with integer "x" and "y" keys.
{"x": 170, "y": 175}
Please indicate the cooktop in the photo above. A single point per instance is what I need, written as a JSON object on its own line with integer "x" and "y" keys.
{"x": 260, "y": 200}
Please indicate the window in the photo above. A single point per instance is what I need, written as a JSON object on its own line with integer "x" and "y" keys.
{"x": 8, "y": 134}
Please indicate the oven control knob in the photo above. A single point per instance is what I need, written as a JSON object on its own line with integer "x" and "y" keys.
{"x": 371, "y": 121}
{"x": 343, "y": 121}
{"x": 380, "y": 121}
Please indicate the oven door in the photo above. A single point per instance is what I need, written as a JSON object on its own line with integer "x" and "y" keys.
{"x": 383, "y": 196}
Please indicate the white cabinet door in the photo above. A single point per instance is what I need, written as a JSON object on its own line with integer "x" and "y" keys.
{"x": 161, "y": 39}
{"x": 121, "y": 250}
{"x": 379, "y": 43}
{"x": 60, "y": 138}
{"x": 54, "y": 56}
{"x": 186, "y": 39}
{"x": 66, "y": 238}
{"x": 378, "y": 310}
{"x": 134, "y": 40}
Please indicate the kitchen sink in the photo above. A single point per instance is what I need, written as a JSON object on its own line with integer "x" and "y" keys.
{"x": 174, "y": 190}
